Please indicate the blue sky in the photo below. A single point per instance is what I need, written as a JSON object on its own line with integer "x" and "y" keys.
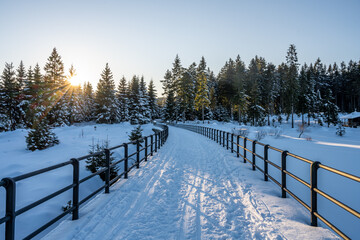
{"x": 143, "y": 37}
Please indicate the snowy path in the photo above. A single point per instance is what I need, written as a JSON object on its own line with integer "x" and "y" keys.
{"x": 191, "y": 189}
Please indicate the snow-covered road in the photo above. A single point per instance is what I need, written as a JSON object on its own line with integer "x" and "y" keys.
{"x": 191, "y": 189}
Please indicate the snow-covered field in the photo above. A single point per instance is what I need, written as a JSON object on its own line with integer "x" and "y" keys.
{"x": 317, "y": 144}
{"x": 75, "y": 141}
{"x": 192, "y": 189}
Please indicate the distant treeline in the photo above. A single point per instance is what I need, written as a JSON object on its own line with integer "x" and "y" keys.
{"x": 252, "y": 93}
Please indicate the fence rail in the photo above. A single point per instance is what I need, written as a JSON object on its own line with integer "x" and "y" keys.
{"x": 156, "y": 141}
{"x": 222, "y": 137}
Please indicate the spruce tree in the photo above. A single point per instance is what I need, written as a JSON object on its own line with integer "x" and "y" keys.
{"x": 169, "y": 90}
{"x": 96, "y": 163}
{"x": 292, "y": 84}
{"x": 10, "y": 111}
{"x": 123, "y": 100}
{"x": 153, "y": 107}
{"x": 202, "y": 95}
{"x": 135, "y": 115}
{"x": 41, "y": 137}
{"x": 21, "y": 82}
{"x": 105, "y": 100}
{"x": 136, "y": 134}
{"x": 144, "y": 111}
{"x": 29, "y": 93}
{"x": 56, "y": 88}
{"x": 88, "y": 101}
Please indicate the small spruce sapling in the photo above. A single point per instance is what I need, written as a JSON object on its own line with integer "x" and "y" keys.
{"x": 41, "y": 137}
{"x": 67, "y": 206}
{"x": 95, "y": 163}
{"x": 136, "y": 134}
{"x": 340, "y": 130}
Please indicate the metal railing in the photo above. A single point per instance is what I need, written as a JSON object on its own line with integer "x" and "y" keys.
{"x": 156, "y": 141}
{"x": 225, "y": 138}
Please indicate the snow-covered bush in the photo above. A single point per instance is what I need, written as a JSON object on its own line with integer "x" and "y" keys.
{"x": 95, "y": 163}
{"x": 340, "y": 130}
{"x": 275, "y": 132}
{"x": 41, "y": 137}
{"x": 243, "y": 132}
{"x": 260, "y": 134}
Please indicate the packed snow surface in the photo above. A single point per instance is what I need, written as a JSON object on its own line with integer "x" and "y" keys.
{"x": 191, "y": 189}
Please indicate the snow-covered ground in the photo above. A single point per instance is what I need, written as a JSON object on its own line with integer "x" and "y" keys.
{"x": 317, "y": 144}
{"x": 192, "y": 189}
{"x": 75, "y": 141}
{"x": 194, "y": 184}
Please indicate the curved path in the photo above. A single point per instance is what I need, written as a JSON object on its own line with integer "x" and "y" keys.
{"x": 191, "y": 189}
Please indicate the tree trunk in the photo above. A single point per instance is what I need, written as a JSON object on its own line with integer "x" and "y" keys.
{"x": 302, "y": 118}
{"x": 308, "y": 119}
{"x": 203, "y": 113}
{"x": 239, "y": 115}
{"x": 292, "y": 116}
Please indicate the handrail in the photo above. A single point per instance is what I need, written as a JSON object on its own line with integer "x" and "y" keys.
{"x": 157, "y": 140}
{"x": 219, "y": 136}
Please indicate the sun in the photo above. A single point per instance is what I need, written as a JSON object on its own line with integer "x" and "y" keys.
{"x": 75, "y": 80}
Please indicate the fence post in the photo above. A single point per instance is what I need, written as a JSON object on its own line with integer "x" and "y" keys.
{"x": 146, "y": 148}
{"x": 159, "y": 139}
{"x": 245, "y": 140}
{"x": 126, "y": 154}
{"x": 223, "y": 139}
{"x": 253, "y": 155}
{"x": 237, "y": 146}
{"x": 107, "y": 172}
{"x": 75, "y": 202}
{"x": 152, "y": 143}
{"x": 137, "y": 154}
{"x": 156, "y": 137}
{"x": 266, "y": 157}
{"x": 232, "y": 143}
{"x": 283, "y": 175}
{"x": 313, "y": 182}
{"x": 227, "y": 140}
{"x": 10, "y": 208}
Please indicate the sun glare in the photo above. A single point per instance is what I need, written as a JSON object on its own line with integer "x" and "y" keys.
{"x": 75, "y": 81}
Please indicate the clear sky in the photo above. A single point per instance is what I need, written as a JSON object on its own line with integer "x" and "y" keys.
{"x": 143, "y": 37}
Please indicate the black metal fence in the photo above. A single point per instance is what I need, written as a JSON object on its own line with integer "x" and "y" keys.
{"x": 151, "y": 144}
{"x": 230, "y": 140}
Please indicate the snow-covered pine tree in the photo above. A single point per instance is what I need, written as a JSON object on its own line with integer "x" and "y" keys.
{"x": 202, "y": 101}
{"x": 41, "y": 137}
{"x": 329, "y": 108}
{"x": 56, "y": 85}
{"x": 136, "y": 134}
{"x": 95, "y": 163}
{"x": 29, "y": 92}
{"x": 88, "y": 101}
{"x": 123, "y": 100}
{"x": 153, "y": 106}
{"x": 105, "y": 100}
{"x": 169, "y": 91}
{"x": 186, "y": 93}
{"x": 240, "y": 98}
{"x": 292, "y": 83}
{"x": 144, "y": 102}
{"x": 10, "y": 112}
{"x": 135, "y": 115}
{"x": 21, "y": 81}
{"x": 75, "y": 100}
